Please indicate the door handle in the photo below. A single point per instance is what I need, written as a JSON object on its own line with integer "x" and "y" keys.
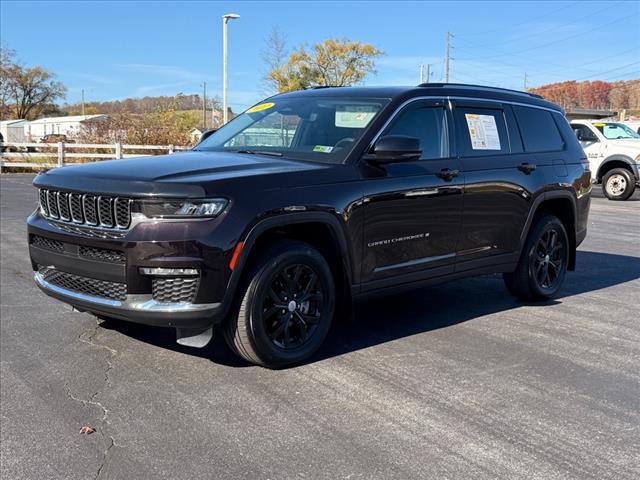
{"x": 527, "y": 168}
{"x": 447, "y": 174}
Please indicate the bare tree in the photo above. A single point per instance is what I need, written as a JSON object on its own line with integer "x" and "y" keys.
{"x": 26, "y": 91}
{"x": 7, "y": 59}
{"x": 274, "y": 55}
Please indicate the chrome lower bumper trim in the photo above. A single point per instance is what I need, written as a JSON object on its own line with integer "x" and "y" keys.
{"x": 136, "y": 303}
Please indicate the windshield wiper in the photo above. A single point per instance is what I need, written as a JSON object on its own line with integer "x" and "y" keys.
{"x": 260, "y": 152}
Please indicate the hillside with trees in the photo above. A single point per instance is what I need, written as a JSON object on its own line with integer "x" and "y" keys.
{"x": 592, "y": 94}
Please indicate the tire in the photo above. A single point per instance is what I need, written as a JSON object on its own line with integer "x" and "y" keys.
{"x": 272, "y": 329}
{"x": 543, "y": 262}
{"x": 618, "y": 184}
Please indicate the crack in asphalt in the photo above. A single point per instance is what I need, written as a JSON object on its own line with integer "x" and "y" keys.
{"x": 91, "y": 401}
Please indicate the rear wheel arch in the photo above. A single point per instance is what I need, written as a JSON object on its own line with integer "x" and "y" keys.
{"x": 562, "y": 205}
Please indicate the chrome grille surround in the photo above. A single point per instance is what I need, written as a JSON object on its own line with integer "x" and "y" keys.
{"x": 52, "y": 204}
{"x": 78, "y": 209}
{"x": 63, "y": 206}
{"x": 75, "y": 204}
{"x": 105, "y": 212}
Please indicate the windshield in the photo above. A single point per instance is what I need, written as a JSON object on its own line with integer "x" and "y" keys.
{"x": 614, "y": 131}
{"x": 319, "y": 129}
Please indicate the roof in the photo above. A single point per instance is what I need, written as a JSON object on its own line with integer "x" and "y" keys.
{"x": 427, "y": 89}
{"x": 72, "y": 118}
{"x": 11, "y": 122}
{"x": 589, "y": 113}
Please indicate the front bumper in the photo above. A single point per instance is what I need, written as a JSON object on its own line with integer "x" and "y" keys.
{"x": 136, "y": 308}
{"x": 116, "y": 263}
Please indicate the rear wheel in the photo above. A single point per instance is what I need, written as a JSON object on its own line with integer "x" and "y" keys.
{"x": 543, "y": 261}
{"x": 618, "y": 184}
{"x": 286, "y": 308}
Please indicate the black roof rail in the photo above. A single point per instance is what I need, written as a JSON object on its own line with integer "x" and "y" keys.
{"x": 483, "y": 87}
{"x": 316, "y": 87}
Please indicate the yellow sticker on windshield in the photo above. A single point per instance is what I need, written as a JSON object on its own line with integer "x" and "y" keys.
{"x": 260, "y": 107}
{"x": 598, "y": 124}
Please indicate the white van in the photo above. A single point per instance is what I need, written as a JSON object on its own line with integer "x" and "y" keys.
{"x": 613, "y": 150}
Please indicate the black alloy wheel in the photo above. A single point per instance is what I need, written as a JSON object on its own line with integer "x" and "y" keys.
{"x": 543, "y": 262}
{"x": 285, "y": 308}
{"x": 292, "y": 306}
{"x": 549, "y": 259}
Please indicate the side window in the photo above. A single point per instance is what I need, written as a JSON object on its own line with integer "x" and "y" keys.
{"x": 429, "y": 125}
{"x": 538, "y": 129}
{"x": 481, "y": 132}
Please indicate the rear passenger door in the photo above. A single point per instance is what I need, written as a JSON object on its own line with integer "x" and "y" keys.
{"x": 501, "y": 181}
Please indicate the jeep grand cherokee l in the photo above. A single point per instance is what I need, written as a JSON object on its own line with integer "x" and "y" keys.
{"x": 311, "y": 199}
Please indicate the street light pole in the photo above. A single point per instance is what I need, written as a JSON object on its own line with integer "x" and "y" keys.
{"x": 225, "y": 21}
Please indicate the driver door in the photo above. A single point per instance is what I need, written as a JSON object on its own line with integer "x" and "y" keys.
{"x": 413, "y": 209}
{"x": 591, "y": 145}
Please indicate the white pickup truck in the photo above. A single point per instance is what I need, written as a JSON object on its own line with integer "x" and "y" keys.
{"x": 613, "y": 150}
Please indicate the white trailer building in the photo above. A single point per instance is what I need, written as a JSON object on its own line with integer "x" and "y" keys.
{"x": 12, "y": 130}
{"x": 69, "y": 126}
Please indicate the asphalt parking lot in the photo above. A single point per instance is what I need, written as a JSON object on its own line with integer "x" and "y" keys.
{"x": 454, "y": 381}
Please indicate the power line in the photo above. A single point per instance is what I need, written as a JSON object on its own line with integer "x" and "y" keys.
{"x": 563, "y": 25}
{"x": 555, "y": 72}
{"x": 515, "y": 52}
{"x": 522, "y": 23}
{"x": 607, "y": 71}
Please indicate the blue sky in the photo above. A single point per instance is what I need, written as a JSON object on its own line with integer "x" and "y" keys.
{"x": 121, "y": 49}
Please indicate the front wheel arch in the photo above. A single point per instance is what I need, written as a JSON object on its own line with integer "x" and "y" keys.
{"x": 261, "y": 234}
{"x": 617, "y": 161}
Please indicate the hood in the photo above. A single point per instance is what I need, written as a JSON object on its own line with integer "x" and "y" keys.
{"x": 177, "y": 175}
{"x": 632, "y": 144}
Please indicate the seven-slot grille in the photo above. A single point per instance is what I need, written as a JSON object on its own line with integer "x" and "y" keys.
{"x": 83, "y": 209}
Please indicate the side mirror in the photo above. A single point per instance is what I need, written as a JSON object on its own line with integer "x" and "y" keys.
{"x": 395, "y": 148}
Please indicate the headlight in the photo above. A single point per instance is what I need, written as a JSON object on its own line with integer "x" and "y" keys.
{"x": 208, "y": 208}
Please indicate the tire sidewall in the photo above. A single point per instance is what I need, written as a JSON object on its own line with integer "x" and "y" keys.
{"x": 549, "y": 223}
{"x": 269, "y": 353}
{"x": 628, "y": 191}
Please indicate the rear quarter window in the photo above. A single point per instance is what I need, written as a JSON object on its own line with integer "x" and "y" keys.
{"x": 538, "y": 130}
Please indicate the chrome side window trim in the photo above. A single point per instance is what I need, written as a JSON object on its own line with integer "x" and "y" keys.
{"x": 449, "y": 104}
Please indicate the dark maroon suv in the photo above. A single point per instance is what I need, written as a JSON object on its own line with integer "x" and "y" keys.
{"x": 311, "y": 199}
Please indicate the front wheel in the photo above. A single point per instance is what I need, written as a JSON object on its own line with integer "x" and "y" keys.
{"x": 543, "y": 261}
{"x": 618, "y": 184}
{"x": 286, "y": 308}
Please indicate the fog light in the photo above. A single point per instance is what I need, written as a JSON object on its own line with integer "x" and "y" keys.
{"x": 173, "y": 272}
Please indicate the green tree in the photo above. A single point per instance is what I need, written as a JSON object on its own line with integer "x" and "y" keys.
{"x": 330, "y": 63}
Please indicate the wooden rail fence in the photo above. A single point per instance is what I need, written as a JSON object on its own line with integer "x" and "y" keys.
{"x": 61, "y": 151}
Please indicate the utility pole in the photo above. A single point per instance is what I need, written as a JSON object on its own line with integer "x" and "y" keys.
{"x": 421, "y": 73}
{"x": 82, "y": 102}
{"x": 447, "y": 58}
{"x": 428, "y": 72}
{"x": 204, "y": 105}
{"x": 525, "y": 81}
{"x": 225, "y": 21}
